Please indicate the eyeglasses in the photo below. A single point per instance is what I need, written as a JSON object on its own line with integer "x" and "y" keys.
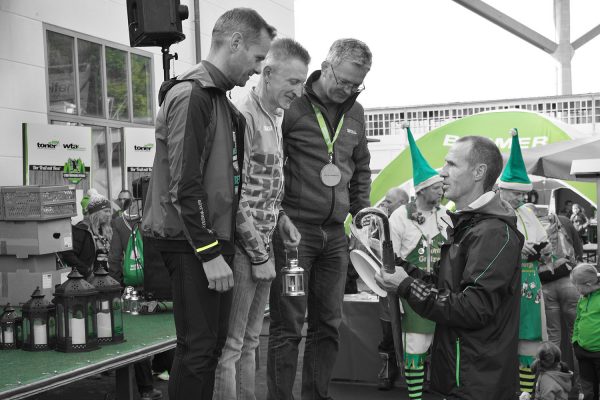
{"x": 348, "y": 85}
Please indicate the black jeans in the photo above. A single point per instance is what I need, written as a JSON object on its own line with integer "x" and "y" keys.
{"x": 589, "y": 372}
{"x": 143, "y": 375}
{"x": 201, "y": 318}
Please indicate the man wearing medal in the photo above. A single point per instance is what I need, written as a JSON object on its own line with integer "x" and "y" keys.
{"x": 327, "y": 176}
{"x": 514, "y": 185}
{"x": 418, "y": 230}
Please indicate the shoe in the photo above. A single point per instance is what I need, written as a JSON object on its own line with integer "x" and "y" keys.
{"x": 163, "y": 376}
{"x": 389, "y": 371}
{"x": 154, "y": 394}
{"x": 525, "y": 396}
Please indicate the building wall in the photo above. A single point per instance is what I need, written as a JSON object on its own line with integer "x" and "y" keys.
{"x": 582, "y": 110}
{"x": 23, "y": 64}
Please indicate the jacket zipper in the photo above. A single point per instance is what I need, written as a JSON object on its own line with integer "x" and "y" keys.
{"x": 457, "y": 362}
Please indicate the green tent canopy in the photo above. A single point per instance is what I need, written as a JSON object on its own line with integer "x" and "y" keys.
{"x": 534, "y": 130}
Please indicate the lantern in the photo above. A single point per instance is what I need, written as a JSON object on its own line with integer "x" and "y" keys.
{"x": 126, "y": 299}
{"x": 292, "y": 277}
{"x": 109, "y": 308}
{"x": 75, "y": 302}
{"x": 134, "y": 303}
{"x": 39, "y": 323}
{"x": 10, "y": 329}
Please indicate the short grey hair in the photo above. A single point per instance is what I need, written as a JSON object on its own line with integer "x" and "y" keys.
{"x": 351, "y": 50}
{"x": 484, "y": 151}
{"x": 284, "y": 49}
{"x": 243, "y": 20}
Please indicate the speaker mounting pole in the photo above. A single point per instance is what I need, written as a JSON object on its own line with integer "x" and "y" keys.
{"x": 167, "y": 57}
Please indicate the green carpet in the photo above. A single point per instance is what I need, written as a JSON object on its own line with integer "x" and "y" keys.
{"x": 23, "y": 367}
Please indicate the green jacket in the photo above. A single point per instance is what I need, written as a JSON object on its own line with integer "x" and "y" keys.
{"x": 586, "y": 331}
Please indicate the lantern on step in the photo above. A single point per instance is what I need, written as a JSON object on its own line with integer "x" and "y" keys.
{"x": 109, "y": 307}
{"x": 75, "y": 302}
{"x": 292, "y": 277}
{"x": 39, "y": 323}
{"x": 10, "y": 329}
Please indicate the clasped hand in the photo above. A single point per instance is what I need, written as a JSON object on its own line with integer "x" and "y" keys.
{"x": 391, "y": 282}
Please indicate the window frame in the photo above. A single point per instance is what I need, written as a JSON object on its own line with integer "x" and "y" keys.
{"x": 103, "y": 121}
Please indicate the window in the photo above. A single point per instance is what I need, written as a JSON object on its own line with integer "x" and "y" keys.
{"x": 90, "y": 78}
{"x": 107, "y": 86}
{"x": 61, "y": 74}
{"x": 113, "y": 82}
{"x": 116, "y": 84}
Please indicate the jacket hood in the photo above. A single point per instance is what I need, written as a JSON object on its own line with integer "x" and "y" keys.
{"x": 206, "y": 74}
{"x": 346, "y": 105}
{"x": 488, "y": 205}
{"x": 83, "y": 225}
{"x": 563, "y": 379}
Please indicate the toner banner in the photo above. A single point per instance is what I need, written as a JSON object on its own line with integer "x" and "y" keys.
{"x": 139, "y": 144}
{"x": 57, "y": 155}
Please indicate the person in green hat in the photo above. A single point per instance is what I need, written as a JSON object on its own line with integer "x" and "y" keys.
{"x": 85, "y": 200}
{"x": 514, "y": 185}
{"x": 418, "y": 229}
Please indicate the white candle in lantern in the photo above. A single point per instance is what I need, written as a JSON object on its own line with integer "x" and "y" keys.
{"x": 104, "y": 328}
{"x": 40, "y": 335}
{"x": 8, "y": 335}
{"x": 77, "y": 327}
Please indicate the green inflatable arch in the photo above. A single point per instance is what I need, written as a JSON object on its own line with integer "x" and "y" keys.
{"x": 534, "y": 130}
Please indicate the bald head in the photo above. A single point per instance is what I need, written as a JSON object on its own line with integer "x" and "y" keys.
{"x": 394, "y": 198}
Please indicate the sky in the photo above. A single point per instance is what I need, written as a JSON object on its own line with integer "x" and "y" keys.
{"x": 436, "y": 51}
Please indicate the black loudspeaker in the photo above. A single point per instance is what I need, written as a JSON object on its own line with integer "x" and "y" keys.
{"x": 157, "y": 282}
{"x": 155, "y": 22}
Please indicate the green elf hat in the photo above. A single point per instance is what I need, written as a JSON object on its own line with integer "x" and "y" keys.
{"x": 515, "y": 176}
{"x": 423, "y": 175}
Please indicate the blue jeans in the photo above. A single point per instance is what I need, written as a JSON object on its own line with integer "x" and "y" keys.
{"x": 323, "y": 253}
{"x": 234, "y": 378}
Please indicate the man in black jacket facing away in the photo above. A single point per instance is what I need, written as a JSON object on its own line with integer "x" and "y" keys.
{"x": 474, "y": 294}
{"x": 189, "y": 215}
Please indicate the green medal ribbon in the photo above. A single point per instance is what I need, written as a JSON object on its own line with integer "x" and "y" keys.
{"x": 325, "y": 131}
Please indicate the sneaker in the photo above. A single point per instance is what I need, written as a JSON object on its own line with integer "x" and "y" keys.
{"x": 163, "y": 376}
{"x": 525, "y": 396}
{"x": 154, "y": 394}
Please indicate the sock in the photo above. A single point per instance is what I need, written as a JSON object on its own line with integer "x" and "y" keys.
{"x": 526, "y": 377}
{"x": 415, "y": 375}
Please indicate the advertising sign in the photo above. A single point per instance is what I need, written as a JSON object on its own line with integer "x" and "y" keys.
{"x": 57, "y": 155}
{"x": 139, "y": 152}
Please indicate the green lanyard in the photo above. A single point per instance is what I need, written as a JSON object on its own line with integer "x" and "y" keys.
{"x": 325, "y": 131}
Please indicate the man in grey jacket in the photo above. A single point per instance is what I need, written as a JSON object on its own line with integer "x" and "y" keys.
{"x": 193, "y": 194}
{"x": 281, "y": 81}
{"x": 327, "y": 175}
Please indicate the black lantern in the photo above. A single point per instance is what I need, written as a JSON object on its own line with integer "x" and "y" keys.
{"x": 75, "y": 302}
{"x": 39, "y": 323}
{"x": 10, "y": 329}
{"x": 109, "y": 307}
